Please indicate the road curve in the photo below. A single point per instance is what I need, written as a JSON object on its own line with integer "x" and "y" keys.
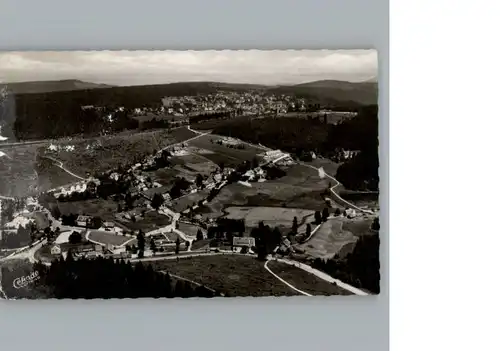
{"x": 285, "y": 282}
{"x": 61, "y": 166}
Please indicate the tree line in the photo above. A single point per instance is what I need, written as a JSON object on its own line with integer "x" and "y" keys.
{"x": 359, "y": 133}
{"x": 361, "y": 268}
{"x": 106, "y": 278}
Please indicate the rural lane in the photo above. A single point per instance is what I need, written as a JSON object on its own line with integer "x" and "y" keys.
{"x": 61, "y": 166}
{"x": 323, "y": 276}
{"x": 285, "y": 282}
{"x": 347, "y": 203}
{"x": 302, "y": 266}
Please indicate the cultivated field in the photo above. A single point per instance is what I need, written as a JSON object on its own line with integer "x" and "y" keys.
{"x": 272, "y": 216}
{"x": 232, "y": 274}
{"x": 17, "y": 171}
{"x": 328, "y": 240}
{"x": 305, "y": 281}
{"x": 108, "y": 237}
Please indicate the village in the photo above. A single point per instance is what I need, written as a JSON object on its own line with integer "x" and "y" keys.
{"x": 144, "y": 200}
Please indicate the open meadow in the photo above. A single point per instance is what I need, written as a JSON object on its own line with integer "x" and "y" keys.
{"x": 305, "y": 281}
{"x": 184, "y": 202}
{"x": 106, "y": 238}
{"x": 272, "y": 216}
{"x": 104, "y": 209}
{"x": 51, "y": 176}
{"x": 99, "y": 154}
{"x": 150, "y": 221}
{"x": 335, "y": 236}
{"x": 190, "y": 229}
{"x": 232, "y": 274}
{"x": 18, "y": 170}
{"x": 300, "y": 188}
{"x": 216, "y": 153}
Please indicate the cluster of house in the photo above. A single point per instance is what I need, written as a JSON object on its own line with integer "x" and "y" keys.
{"x": 254, "y": 175}
{"x": 277, "y": 156}
{"x": 284, "y": 248}
{"x": 88, "y": 250}
{"x": 90, "y": 184}
{"x": 342, "y": 155}
{"x": 94, "y": 222}
{"x": 251, "y": 102}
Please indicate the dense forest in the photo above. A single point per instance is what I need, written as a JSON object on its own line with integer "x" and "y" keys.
{"x": 46, "y": 114}
{"x": 361, "y": 268}
{"x": 104, "y": 278}
{"x": 359, "y": 133}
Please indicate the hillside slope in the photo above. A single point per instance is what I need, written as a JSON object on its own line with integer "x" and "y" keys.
{"x": 52, "y": 85}
{"x": 333, "y": 92}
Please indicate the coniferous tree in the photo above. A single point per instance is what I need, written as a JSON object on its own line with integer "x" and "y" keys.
{"x": 199, "y": 235}
{"x": 295, "y": 226}
{"x": 152, "y": 246}
{"x": 317, "y": 217}
{"x": 177, "y": 246}
{"x": 325, "y": 214}
{"x": 308, "y": 230}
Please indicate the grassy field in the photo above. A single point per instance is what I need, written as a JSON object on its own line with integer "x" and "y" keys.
{"x": 17, "y": 171}
{"x": 184, "y": 202}
{"x": 152, "y": 220}
{"x": 93, "y": 207}
{"x": 108, "y": 237}
{"x": 328, "y": 240}
{"x": 109, "y": 152}
{"x": 189, "y": 229}
{"x": 272, "y": 216}
{"x": 328, "y": 165}
{"x": 359, "y": 226}
{"x": 232, "y": 274}
{"x": 305, "y": 281}
{"x": 221, "y": 153}
{"x": 183, "y": 166}
{"x": 181, "y": 134}
{"x": 51, "y": 176}
{"x": 300, "y": 188}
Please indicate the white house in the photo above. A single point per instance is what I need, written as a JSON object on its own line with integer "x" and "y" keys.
{"x": 55, "y": 250}
{"x": 350, "y": 213}
{"x": 82, "y": 221}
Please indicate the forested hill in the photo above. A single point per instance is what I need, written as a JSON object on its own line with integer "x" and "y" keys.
{"x": 332, "y": 92}
{"x": 59, "y": 113}
{"x": 359, "y": 133}
{"x": 51, "y": 86}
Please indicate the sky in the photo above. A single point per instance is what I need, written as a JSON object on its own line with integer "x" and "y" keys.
{"x": 158, "y": 67}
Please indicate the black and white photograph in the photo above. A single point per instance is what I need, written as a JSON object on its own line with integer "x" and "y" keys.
{"x": 189, "y": 174}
